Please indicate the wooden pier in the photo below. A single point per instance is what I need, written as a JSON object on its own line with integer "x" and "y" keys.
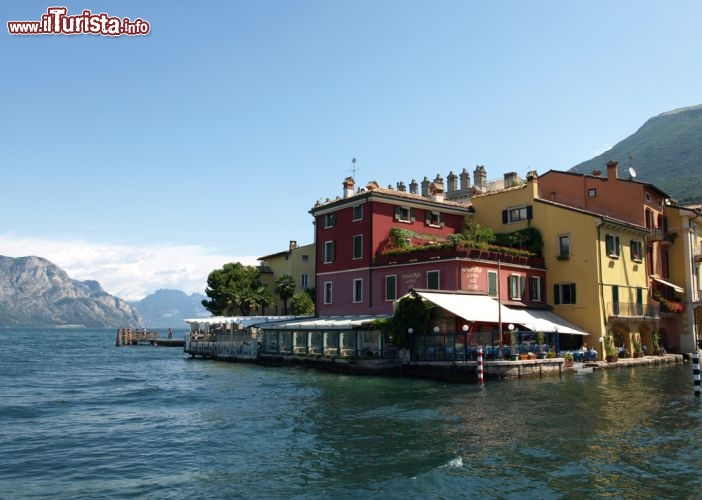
{"x": 133, "y": 336}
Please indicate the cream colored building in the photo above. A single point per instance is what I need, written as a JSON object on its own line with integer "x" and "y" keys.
{"x": 684, "y": 257}
{"x": 595, "y": 265}
{"x": 297, "y": 261}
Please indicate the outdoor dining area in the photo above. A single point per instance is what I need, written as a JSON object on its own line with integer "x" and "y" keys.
{"x": 464, "y": 346}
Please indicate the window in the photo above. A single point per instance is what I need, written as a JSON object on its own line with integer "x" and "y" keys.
{"x": 433, "y": 280}
{"x": 358, "y": 212}
{"x": 648, "y": 196}
{"x": 516, "y": 214}
{"x": 305, "y": 258}
{"x": 592, "y": 193}
{"x": 564, "y": 246}
{"x": 535, "y": 288}
{"x": 433, "y": 219}
{"x": 304, "y": 280}
{"x": 327, "y": 292}
{"x": 636, "y": 249}
{"x": 358, "y": 246}
{"x": 639, "y": 301}
{"x": 358, "y": 290}
{"x": 612, "y": 244}
{"x": 564, "y": 293}
{"x": 615, "y": 300}
{"x": 329, "y": 220}
{"x": 390, "y": 287}
{"x": 328, "y": 252}
{"x": 516, "y": 286}
{"x": 404, "y": 214}
{"x": 492, "y": 284}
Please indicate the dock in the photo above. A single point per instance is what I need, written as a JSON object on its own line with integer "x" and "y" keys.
{"x": 133, "y": 336}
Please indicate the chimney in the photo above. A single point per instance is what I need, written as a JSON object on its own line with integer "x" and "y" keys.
{"x": 436, "y": 189}
{"x": 425, "y": 187}
{"x": 293, "y": 244}
{"x": 348, "y": 187}
{"x": 596, "y": 173}
{"x": 401, "y": 187}
{"x": 612, "y": 170}
{"x": 452, "y": 183}
{"x": 510, "y": 177}
{"x": 533, "y": 183}
{"x": 480, "y": 177}
{"x": 465, "y": 181}
{"x": 414, "y": 187}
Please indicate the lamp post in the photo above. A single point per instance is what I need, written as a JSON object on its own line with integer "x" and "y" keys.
{"x": 465, "y": 342}
{"x": 512, "y": 336}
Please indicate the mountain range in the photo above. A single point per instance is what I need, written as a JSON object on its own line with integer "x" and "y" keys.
{"x": 169, "y": 308}
{"x": 36, "y": 293}
{"x": 666, "y": 152}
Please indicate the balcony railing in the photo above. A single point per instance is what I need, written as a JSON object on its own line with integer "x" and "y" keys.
{"x": 659, "y": 234}
{"x": 631, "y": 310}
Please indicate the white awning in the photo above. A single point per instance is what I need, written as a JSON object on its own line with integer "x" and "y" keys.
{"x": 242, "y": 321}
{"x": 469, "y": 307}
{"x": 486, "y": 309}
{"x": 667, "y": 283}
{"x": 541, "y": 320}
{"x": 323, "y": 323}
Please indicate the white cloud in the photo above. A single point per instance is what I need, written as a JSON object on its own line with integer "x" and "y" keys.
{"x": 128, "y": 272}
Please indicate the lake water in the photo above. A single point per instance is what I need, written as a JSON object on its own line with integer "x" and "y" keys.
{"x": 81, "y": 418}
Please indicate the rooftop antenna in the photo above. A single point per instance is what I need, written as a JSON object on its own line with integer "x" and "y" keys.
{"x": 632, "y": 171}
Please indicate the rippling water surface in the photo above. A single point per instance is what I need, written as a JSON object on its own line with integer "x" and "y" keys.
{"x": 81, "y": 418}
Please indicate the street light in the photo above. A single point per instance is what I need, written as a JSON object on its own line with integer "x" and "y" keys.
{"x": 465, "y": 341}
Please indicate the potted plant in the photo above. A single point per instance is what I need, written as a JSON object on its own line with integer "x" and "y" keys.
{"x": 638, "y": 350}
{"x": 540, "y": 337}
{"x": 656, "y": 340}
{"x": 568, "y": 359}
{"x": 610, "y": 352}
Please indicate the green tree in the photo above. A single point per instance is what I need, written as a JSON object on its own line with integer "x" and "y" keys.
{"x": 235, "y": 287}
{"x": 411, "y": 312}
{"x": 285, "y": 288}
{"x": 301, "y": 304}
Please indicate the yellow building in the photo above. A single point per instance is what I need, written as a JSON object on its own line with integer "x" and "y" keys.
{"x": 595, "y": 264}
{"x": 297, "y": 261}
{"x": 683, "y": 259}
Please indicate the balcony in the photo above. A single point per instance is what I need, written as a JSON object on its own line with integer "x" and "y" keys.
{"x": 631, "y": 310}
{"x": 439, "y": 251}
{"x": 659, "y": 234}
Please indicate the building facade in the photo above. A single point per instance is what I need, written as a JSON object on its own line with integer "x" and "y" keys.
{"x": 296, "y": 261}
{"x": 594, "y": 284}
{"x": 363, "y": 269}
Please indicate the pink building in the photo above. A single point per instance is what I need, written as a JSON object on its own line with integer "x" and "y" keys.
{"x": 360, "y": 270}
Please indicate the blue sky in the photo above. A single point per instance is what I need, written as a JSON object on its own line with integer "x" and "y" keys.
{"x": 145, "y": 162}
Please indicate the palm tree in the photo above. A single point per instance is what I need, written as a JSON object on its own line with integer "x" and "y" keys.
{"x": 285, "y": 288}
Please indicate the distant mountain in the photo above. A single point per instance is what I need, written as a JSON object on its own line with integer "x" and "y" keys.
{"x": 169, "y": 308}
{"x": 666, "y": 152}
{"x": 34, "y": 293}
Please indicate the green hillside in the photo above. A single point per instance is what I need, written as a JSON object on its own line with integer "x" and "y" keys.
{"x": 666, "y": 152}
